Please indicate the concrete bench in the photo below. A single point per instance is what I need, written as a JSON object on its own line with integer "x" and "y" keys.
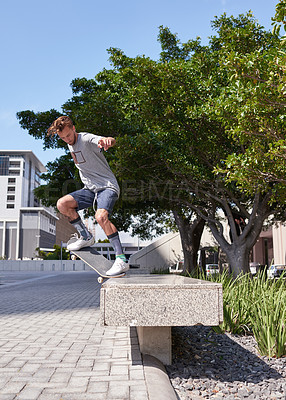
{"x": 155, "y": 303}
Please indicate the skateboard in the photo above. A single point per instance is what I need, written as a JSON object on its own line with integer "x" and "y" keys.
{"x": 96, "y": 261}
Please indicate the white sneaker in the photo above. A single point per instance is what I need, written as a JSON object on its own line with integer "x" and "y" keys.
{"x": 119, "y": 267}
{"x": 77, "y": 242}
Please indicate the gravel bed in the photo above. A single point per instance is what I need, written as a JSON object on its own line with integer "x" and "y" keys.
{"x": 207, "y": 365}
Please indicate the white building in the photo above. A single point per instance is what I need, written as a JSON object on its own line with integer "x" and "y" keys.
{"x": 24, "y": 223}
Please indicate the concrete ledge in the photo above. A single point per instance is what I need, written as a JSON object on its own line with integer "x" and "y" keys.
{"x": 155, "y": 303}
{"x": 160, "y": 300}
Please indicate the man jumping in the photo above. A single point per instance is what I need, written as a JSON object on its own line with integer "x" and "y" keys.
{"x": 100, "y": 186}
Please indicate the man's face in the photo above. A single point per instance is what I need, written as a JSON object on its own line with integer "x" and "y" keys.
{"x": 68, "y": 135}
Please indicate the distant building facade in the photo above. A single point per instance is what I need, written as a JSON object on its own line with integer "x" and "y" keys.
{"x": 64, "y": 230}
{"x": 24, "y": 224}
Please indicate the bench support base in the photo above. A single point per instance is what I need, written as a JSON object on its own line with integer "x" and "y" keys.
{"x": 157, "y": 341}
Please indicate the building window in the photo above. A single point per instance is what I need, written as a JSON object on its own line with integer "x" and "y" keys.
{"x": 11, "y": 180}
{"x": 14, "y": 167}
{"x": 15, "y": 164}
{"x": 37, "y": 176}
{"x": 10, "y": 205}
{"x": 11, "y": 189}
{"x": 10, "y": 197}
{"x": 4, "y": 165}
{"x": 14, "y": 172}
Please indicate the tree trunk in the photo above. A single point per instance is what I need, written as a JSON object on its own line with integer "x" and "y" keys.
{"x": 237, "y": 253}
{"x": 191, "y": 233}
{"x": 238, "y": 250}
{"x": 238, "y": 257}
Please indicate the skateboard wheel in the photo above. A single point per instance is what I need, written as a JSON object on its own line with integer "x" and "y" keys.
{"x": 100, "y": 279}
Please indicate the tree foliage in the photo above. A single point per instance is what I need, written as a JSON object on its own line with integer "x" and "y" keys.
{"x": 252, "y": 110}
{"x": 279, "y": 20}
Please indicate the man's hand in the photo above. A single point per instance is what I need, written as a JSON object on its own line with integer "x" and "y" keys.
{"x": 106, "y": 142}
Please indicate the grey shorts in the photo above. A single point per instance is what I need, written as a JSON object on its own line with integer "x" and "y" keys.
{"x": 105, "y": 199}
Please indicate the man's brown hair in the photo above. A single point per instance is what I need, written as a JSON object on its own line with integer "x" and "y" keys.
{"x": 59, "y": 124}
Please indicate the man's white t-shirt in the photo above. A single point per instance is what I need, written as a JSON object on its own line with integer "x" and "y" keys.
{"x": 94, "y": 170}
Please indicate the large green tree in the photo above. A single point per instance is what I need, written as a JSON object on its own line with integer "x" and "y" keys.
{"x": 174, "y": 139}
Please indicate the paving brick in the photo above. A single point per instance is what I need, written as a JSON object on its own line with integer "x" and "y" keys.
{"x": 13, "y": 387}
{"x": 21, "y": 378}
{"x": 62, "y": 377}
{"x": 30, "y": 367}
{"x": 108, "y": 378}
{"x": 136, "y": 373}
{"x": 83, "y": 362}
{"x": 80, "y": 381}
{"x": 29, "y": 393}
{"x": 55, "y": 386}
{"x": 5, "y": 359}
{"x": 84, "y": 396}
{"x": 102, "y": 366}
{"x": 120, "y": 353}
{"x": 74, "y": 389}
{"x": 49, "y": 396}
{"x": 3, "y": 380}
{"x": 44, "y": 374}
{"x": 97, "y": 387}
{"x": 119, "y": 370}
{"x": 118, "y": 391}
{"x": 7, "y": 396}
{"x": 136, "y": 394}
{"x": 16, "y": 363}
{"x": 104, "y": 353}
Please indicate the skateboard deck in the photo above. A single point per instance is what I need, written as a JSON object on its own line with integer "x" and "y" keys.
{"x": 96, "y": 261}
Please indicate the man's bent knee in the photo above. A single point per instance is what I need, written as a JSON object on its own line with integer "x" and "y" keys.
{"x": 61, "y": 205}
{"x": 101, "y": 216}
{"x": 66, "y": 204}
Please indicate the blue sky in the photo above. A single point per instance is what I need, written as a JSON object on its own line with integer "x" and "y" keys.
{"x": 45, "y": 44}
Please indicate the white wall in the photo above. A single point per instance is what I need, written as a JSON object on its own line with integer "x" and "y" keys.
{"x": 43, "y": 265}
{"x": 161, "y": 254}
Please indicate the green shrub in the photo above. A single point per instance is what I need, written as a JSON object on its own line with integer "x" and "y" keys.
{"x": 268, "y": 321}
{"x": 255, "y": 306}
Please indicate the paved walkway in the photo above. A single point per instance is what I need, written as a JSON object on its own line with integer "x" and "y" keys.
{"x": 52, "y": 346}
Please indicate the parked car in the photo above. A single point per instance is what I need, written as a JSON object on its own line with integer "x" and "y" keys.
{"x": 276, "y": 270}
{"x": 212, "y": 269}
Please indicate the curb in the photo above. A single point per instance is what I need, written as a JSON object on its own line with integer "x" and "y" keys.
{"x": 157, "y": 381}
